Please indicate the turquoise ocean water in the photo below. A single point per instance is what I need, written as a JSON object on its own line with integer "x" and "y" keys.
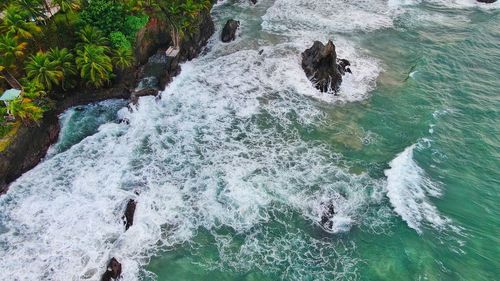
{"x": 232, "y": 164}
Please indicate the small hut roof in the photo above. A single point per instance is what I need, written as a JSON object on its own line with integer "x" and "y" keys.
{"x": 10, "y": 94}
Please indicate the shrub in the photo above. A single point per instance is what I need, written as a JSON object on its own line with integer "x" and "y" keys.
{"x": 119, "y": 41}
{"x": 133, "y": 24}
{"x": 107, "y": 15}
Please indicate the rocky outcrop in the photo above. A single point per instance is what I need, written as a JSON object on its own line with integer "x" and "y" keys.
{"x": 31, "y": 143}
{"x": 320, "y": 65}
{"x": 164, "y": 68}
{"x": 155, "y": 35}
{"x": 28, "y": 147}
{"x": 128, "y": 217}
{"x": 113, "y": 271}
{"x": 253, "y": 1}
{"x": 327, "y": 214}
{"x": 229, "y": 31}
{"x": 487, "y": 1}
{"x": 193, "y": 43}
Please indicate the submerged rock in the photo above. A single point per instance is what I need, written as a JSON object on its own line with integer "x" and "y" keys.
{"x": 487, "y": 1}
{"x": 128, "y": 217}
{"x": 320, "y": 65}
{"x": 113, "y": 271}
{"x": 327, "y": 215}
{"x": 229, "y": 30}
{"x": 253, "y": 1}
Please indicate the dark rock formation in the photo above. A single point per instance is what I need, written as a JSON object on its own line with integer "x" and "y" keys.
{"x": 253, "y": 1}
{"x": 320, "y": 65}
{"x": 229, "y": 30}
{"x": 113, "y": 271}
{"x": 343, "y": 66}
{"x": 27, "y": 148}
{"x": 327, "y": 214}
{"x": 128, "y": 217}
{"x": 165, "y": 68}
{"x": 193, "y": 43}
{"x": 155, "y": 35}
{"x": 487, "y": 1}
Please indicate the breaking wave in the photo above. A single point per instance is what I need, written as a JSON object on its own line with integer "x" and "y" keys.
{"x": 409, "y": 189}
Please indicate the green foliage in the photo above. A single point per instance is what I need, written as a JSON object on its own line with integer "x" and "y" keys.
{"x": 68, "y": 5}
{"x": 123, "y": 58}
{"x": 95, "y": 65}
{"x": 65, "y": 63}
{"x": 25, "y": 109}
{"x": 15, "y": 23}
{"x": 119, "y": 41}
{"x": 4, "y": 128}
{"x": 91, "y": 35}
{"x": 44, "y": 71}
{"x": 34, "y": 8}
{"x": 107, "y": 15}
{"x": 10, "y": 51}
{"x": 133, "y": 24}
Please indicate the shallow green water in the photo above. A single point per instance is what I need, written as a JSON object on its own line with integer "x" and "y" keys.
{"x": 231, "y": 166}
{"x": 451, "y": 105}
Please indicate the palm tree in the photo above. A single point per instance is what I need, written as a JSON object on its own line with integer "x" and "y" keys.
{"x": 123, "y": 58}
{"x": 43, "y": 71}
{"x": 90, "y": 35}
{"x": 68, "y": 6}
{"x": 16, "y": 24}
{"x": 11, "y": 50}
{"x": 34, "y": 8}
{"x": 64, "y": 62}
{"x": 94, "y": 65}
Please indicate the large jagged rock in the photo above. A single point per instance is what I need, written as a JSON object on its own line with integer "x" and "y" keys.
{"x": 229, "y": 30}
{"x": 487, "y": 1}
{"x": 128, "y": 217}
{"x": 113, "y": 271}
{"x": 320, "y": 65}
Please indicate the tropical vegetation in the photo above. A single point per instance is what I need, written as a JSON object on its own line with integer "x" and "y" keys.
{"x": 51, "y": 48}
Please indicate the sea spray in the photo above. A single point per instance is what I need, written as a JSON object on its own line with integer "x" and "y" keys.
{"x": 409, "y": 188}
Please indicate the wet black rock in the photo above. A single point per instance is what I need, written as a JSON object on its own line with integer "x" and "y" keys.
{"x": 343, "y": 66}
{"x": 320, "y": 65}
{"x": 128, "y": 217}
{"x": 487, "y": 1}
{"x": 229, "y": 30}
{"x": 113, "y": 271}
{"x": 253, "y": 1}
{"x": 327, "y": 215}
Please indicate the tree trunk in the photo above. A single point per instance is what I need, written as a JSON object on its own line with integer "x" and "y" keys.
{"x": 11, "y": 80}
{"x": 47, "y": 6}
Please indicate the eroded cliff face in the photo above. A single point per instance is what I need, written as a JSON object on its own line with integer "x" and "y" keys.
{"x": 155, "y": 41}
{"x": 32, "y": 142}
{"x": 155, "y": 35}
{"x": 27, "y": 148}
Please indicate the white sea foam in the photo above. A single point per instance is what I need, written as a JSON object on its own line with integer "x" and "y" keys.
{"x": 447, "y": 3}
{"x": 409, "y": 189}
{"x": 221, "y": 148}
{"x": 299, "y": 17}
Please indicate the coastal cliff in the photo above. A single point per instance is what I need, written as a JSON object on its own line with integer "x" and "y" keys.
{"x": 31, "y": 142}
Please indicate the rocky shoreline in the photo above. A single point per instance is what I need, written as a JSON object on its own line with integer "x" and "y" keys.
{"x": 31, "y": 143}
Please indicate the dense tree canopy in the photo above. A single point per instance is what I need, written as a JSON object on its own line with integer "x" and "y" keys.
{"x": 83, "y": 43}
